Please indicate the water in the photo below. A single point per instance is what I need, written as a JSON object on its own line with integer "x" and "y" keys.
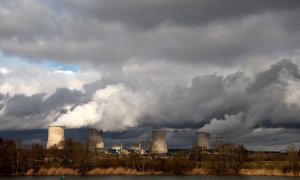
{"x": 152, "y": 178}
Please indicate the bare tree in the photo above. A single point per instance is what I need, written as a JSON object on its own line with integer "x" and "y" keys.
{"x": 293, "y": 158}
{"x": 240, "y": 154}
{"x": 229, "y": 158}
{"x": 36, "y": 158}
{"x": 197, "y": 155}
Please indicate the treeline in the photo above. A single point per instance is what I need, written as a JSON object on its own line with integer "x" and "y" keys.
{"x": 227, "y": 158}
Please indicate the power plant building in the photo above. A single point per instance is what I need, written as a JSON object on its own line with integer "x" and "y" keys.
{"x": 159, "y": 145}
{"x": 202, "y": 140}
{"x": 96, "y": 138}
{"x": 56, "y": 134}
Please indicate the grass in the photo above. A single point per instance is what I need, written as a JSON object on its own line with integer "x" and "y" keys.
{"x": 120, "y": 171}
{"x": 265, "y": 172}
{"x": 57, "y": 171}
{"x": 126, "y": 171}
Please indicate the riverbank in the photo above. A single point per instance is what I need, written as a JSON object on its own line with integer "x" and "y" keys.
{"x": 246, "y": 172}
{"x": 266, "y": 172}
{"x": 126, "y": 171}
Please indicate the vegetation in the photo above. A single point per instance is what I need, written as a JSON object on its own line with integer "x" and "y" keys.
{"x": 229, "y": 157}
{"x": 74, "y": 158}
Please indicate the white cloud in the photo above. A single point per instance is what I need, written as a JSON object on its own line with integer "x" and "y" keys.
{"x": 4, "y": 70}
{"x": 114, "y": 108}
{"x": 24, "y": 77}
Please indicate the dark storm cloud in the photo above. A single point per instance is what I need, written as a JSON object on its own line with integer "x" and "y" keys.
{"x": 226, "y": 33}
{"x": 271, "y": 76}
{"x": 63, "y": 96}
{"x": 208, "y": 97}
{"x": 147, "y": 14}
{"x": 21, "y": 105}
{"x": 27, "y": 112}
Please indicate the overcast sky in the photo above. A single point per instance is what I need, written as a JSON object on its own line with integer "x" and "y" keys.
{"x": 229, "y": 68}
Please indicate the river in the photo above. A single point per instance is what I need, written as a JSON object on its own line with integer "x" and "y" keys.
{"x": 151, "y": 178}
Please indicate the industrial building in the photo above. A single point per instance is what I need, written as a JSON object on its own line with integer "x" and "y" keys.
{"x": 56, "y": 134}
{"x": 202, "y": 140}
{"x": 159, "y": 145}
{"x": 96, "y": 138}
{"x": 137, "y": 149}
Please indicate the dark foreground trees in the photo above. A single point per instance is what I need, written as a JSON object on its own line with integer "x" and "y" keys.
{"x": 197, "y": 156}
{"x": 292, "y": 156}
{"x": 229, "y": 158}
{"x": 75, "y": 155}
{"x": 8, "y": 158}
{"x": 36, "y": 157}
{"x": 70, "y": 154}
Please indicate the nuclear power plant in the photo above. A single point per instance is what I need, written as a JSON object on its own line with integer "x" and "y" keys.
{"x": 96, "y": 138}
{"x": 159, "y": 145}
{"x": 202, "y": 140}
{"x": 55, "y": 135}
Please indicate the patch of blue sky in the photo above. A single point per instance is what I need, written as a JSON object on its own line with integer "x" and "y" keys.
{"x": 59, "y": 66}
{"x": 15, "y": 61}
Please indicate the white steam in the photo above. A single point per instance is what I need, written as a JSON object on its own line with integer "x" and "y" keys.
{"x": 114, "y": 108}
{"x": 230, "y": 123}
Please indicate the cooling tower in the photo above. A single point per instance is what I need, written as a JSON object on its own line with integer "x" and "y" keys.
{"x": 202, "y": 140}
{"x": 95, "y": 138}
{"x": 55, "y": 135}
{"x": 159, "y": 144}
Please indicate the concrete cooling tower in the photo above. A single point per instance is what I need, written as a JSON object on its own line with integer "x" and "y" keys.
{"x": 56, "y": 134}
{"x": 202, "y": 140}
{"x": 96, "y": 138}
{"x": 159, "y": 144}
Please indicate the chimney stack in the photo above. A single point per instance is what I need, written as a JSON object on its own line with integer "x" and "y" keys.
{"x": 202, "y": 140}
{"x": 159, "y": 145}
{"x": 56, "y": 134}
{"x": 96, "y": 138}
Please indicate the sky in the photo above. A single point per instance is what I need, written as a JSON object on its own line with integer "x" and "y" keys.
{"x": 228, "y": 68}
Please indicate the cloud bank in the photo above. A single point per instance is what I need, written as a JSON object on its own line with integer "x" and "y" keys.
{"x": 236, "y": 105}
